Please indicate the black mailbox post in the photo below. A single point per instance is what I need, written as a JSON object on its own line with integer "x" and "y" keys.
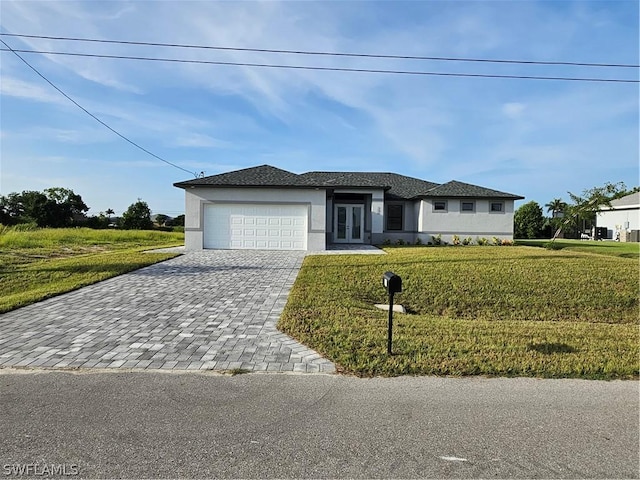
{"x": 393, "y": 284}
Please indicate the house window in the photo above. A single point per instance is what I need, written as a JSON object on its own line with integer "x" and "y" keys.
{"x": 394, "y": 217}
{"x": 440, "y": 206}
{"x": 497, "y": 207}
{"x": 468, "y": 207}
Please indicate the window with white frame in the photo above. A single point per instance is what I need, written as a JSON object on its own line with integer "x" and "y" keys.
{"x": 440, "y": 206}
{"x": 467, "y": 206}
{"x": 496, "y": 207}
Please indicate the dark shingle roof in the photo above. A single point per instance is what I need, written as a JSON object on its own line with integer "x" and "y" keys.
{"x": 461, "y": 189}
{"x": 399, "y": 186}
{"x": 262, "y": 176}
{"x": 396, "y": 186}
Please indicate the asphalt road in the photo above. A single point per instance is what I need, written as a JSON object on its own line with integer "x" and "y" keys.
{"x": 160, "y": 425}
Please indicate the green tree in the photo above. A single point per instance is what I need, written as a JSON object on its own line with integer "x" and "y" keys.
{"x": 65, "y": 207}
{"x": 528, "y": 220}
{"x": 557, "y": 207}
{"x": 109, "y": 212}
{"x": 97, "y": 222}
{"x": 55, "y": 207}
{"x": 176, "y": 222}
{"x": 25, "y": 207}
{"x": 137, "y": 217}
{"x": 584, "y": 207}
{"x": 161, "y": 219}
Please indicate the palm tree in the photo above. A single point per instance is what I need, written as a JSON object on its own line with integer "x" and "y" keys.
{"x": 109, "y": 212}
{"x": 557, "y": 207}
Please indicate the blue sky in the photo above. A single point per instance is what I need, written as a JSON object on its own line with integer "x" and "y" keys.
{"x": 535, "y": 138}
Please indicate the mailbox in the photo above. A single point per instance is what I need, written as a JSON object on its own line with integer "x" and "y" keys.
{"x": 392, "y": 282}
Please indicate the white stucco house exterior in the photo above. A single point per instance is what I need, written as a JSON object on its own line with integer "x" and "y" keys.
{"x": 622, "y": 218}
{"x": 268, "y": 208}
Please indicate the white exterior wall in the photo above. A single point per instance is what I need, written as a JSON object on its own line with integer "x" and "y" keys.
{"x": 620, "y": 219}
{"x": 377, "y": 212}
{"x": 480, "y": 223}
{"x": 196, "y": 198}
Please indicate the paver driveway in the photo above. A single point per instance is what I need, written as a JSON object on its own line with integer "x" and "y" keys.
{"x": 210, "y": 310}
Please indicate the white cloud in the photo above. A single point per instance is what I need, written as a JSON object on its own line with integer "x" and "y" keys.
{"x": 60, "y": 18}
{"x": 14, "y": 87}
{"x": 82, "y": 135}
{"x": 513, "y": 109}
{"x": 200, "y": 141}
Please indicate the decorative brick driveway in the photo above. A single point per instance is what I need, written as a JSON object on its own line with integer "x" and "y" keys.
{"x": 211, "y": 310}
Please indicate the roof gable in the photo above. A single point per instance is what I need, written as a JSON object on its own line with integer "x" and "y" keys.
{"x": 461, "y": 189}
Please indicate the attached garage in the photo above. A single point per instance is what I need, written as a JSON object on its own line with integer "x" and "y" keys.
{"x": 255, "y": 226}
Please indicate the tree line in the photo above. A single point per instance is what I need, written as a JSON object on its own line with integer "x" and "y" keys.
{"x": 567, "y": 218}
{"x": 61, "y": 207}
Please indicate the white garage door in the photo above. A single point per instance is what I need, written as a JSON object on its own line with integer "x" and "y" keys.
{"x": 255, "y": 226}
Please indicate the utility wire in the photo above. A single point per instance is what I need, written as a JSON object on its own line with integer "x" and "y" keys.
{"x": 333, "y": 54}
{"x": 91, "y": 114}
{"x": 330, "y": 69}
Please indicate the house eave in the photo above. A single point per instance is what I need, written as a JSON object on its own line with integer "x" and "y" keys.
{"x": 501, "y": 197}
{"x": 187, "y": 185}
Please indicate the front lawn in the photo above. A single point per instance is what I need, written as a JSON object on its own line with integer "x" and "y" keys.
{"x": 37, "y": 264}
{"x": 603, "y": 247}
{"x": 513, "y": 311}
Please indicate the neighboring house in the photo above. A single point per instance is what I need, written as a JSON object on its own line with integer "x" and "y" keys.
{"x": 268, "y": 208}
{"x": 622, "y": 218}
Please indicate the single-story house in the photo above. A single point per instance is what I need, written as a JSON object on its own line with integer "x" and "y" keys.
{"x": 622, "y": 220}
{"x": 268, "y": 208}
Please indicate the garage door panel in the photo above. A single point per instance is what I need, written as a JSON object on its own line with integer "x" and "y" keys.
{"x": 273, "y": 227}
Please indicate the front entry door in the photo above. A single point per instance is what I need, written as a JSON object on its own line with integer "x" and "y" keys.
{"x": 349, "y": 224}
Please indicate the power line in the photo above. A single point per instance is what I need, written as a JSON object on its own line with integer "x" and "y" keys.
{"x": 321, "y": 53}
{"x": 330, "y": 69}
{"x": 91, "y": 114}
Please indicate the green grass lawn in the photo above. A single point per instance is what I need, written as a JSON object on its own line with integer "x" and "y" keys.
{"x": 37, "y": 264}
{"x": 509, "y": 311}
{"x": 616, "y": 249}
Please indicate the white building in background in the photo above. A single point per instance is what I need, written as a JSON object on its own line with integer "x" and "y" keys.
{"x": 622, "y": 218}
